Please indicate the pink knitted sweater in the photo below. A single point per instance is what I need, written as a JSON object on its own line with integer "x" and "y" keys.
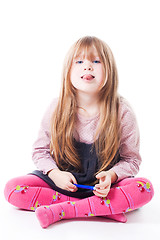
{"x": 84, "y": 132}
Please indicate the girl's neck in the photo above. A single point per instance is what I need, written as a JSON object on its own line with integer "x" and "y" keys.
{"x": 88, "y": 105}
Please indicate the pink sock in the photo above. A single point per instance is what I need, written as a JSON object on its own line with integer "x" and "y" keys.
{"x": 121, "y": 217}
{"x": 134, "y": 194}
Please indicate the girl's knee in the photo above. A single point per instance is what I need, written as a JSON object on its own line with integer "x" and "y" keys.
{"x": 145, "y": 184}
{"x": 124, "y": 182}
{"x": 10, "y": 187}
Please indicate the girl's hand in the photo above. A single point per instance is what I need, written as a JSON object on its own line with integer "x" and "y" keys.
{"x": 63, "y": 179}
{"x": 106, "y": 178}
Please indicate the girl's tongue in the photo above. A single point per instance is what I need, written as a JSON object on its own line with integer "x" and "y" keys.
{"x": 88, "y": 77}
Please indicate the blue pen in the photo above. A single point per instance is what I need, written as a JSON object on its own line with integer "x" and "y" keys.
{"x": 85, "y": 186}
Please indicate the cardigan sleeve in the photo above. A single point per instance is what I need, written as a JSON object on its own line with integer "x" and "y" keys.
{"x": 41, "y": 147}
{"x": 130, "y": 157}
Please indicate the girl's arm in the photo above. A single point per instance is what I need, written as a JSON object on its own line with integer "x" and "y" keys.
{"x": 44, "y": 161}
{"x": 130, "y": 161}
{"x": 41, "y": 148}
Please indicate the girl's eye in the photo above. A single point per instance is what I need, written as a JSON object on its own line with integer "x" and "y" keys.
{"x": 79, "y": 62}
{"x": 96, "y": 61}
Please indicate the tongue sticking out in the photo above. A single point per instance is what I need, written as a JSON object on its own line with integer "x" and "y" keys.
{"x": 88, "y": 77}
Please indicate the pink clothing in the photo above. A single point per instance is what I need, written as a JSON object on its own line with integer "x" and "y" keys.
{"x": 32, "y": 193}
{"x": 128, "y": 195}
{"x": 84, "y": 132}
{"x": 29, "y": 192}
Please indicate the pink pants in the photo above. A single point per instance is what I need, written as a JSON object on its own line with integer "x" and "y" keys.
{"x": 30, "y": 192}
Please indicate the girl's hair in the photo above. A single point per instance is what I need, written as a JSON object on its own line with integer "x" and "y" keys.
{"x": 106, "y": 139}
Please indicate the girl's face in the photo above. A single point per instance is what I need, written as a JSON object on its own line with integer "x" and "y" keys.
{"x": 87, "y": 72}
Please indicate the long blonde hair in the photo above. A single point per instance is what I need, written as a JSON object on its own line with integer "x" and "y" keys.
{"x": 63, "y": 121}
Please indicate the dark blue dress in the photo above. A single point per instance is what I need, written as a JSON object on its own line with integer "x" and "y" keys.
{"x": 90, "y": 166}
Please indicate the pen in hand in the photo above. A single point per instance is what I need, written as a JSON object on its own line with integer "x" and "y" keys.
{"x": 85, "y": 186}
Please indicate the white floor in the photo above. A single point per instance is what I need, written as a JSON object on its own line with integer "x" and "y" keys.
{"x": 142, "y": 224}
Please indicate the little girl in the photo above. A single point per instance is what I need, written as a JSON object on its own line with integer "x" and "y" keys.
{"x": 88, "y": 136}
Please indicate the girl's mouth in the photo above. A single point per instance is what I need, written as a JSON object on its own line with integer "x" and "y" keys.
{"x": 88, "y": 77}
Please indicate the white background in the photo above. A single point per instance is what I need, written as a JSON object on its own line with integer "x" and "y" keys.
{"x": 34, "y": 38}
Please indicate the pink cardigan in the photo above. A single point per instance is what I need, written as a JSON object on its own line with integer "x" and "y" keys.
{"x": 84, "y": 132}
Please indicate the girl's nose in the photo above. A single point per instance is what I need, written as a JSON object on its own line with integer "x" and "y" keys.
{"x": 88, "y": 66}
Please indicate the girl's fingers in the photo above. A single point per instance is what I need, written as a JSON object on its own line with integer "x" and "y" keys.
{"x": 102, "y": 185}
{"x": 73, "y": 179}
{"x": 71, "y": 187}
{"x": 102, "y": 191}
{"x": 98, "y": 194}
